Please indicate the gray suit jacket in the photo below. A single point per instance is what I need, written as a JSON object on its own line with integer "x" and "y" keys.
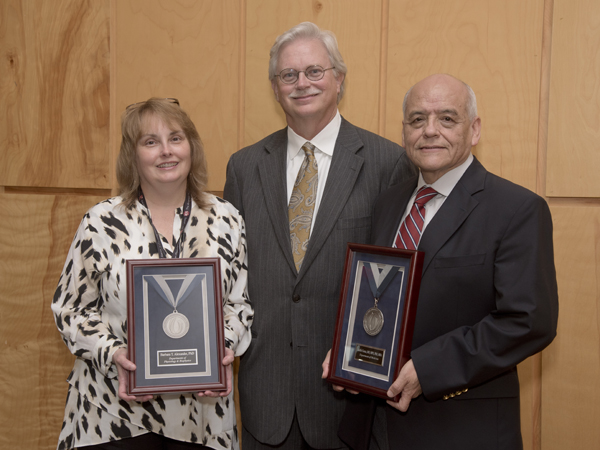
{"x": 295, "y": 312}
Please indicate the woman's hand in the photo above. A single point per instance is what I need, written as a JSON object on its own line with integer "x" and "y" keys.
{"x": 124, "y": 366}
{"x": 227, "y": 362}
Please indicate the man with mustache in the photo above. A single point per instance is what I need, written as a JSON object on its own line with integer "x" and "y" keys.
{"x": 488, "y": 296}
{"x": 304, "y": 192}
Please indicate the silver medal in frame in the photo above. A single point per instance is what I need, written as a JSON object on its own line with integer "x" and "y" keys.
{"x": 176, "y": 325}
{"x": 373, "y": 321}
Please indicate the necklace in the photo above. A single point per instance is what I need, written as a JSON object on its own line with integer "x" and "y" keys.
{"x": 187, "y": 208}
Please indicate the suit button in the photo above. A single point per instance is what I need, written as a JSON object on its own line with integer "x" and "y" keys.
{"x": 296, "y": 298}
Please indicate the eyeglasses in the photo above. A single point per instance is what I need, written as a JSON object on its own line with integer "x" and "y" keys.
{"x": 171, "y": 100}
{"x": 313, "y": 73}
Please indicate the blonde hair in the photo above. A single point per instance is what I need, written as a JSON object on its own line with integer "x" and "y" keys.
{"x": 132, "y": 127}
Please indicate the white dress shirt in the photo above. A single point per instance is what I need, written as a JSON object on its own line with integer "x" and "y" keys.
{"x": 324, "y": 143}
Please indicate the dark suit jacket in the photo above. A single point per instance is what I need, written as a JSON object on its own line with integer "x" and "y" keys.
{"x": 488, "y": 300}
{"x": 295, "y": 312}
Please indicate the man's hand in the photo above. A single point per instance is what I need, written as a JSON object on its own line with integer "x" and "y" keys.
{"x": 325, "y": 374}
{"x": 124, "y": 366}
{"x": 407, "y": 384}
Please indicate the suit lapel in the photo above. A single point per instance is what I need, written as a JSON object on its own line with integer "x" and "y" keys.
{"x": 272, "y": 171}
{"x": 388, "y": 224}
{"x": 343, "y": 172}
{"x": 455, "y": 210}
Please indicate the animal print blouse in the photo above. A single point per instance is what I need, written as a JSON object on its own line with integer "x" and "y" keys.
{"x": 90, "y": 310}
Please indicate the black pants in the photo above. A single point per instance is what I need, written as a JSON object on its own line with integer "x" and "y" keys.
{"x": 149, "y": 441}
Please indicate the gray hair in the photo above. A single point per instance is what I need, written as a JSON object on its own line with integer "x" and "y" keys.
{"x": 471, "y": 100}
{"x": 308, "y": 30}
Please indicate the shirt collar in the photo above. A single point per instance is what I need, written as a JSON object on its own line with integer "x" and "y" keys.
{"x": 446, "y": 182}
{"x": 324, "y": 141}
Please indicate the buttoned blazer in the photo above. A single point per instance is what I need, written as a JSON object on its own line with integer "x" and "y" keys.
{"x": 295, "y": 312}
{"x": 488, "y": 300}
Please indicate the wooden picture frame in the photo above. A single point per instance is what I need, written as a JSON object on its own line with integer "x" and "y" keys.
{"x": 373, "y": 338}
{"x": 175, "y": 325}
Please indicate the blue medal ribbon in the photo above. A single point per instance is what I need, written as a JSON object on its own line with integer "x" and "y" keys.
{"x": 379, "y": 290}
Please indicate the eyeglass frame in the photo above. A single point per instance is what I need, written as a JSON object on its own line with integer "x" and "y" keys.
{"x": 298, "y": 72}
{"x": 170, "y": 99}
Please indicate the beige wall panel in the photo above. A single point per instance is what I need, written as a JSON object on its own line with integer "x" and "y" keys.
{"x": 187, "y": 50}
{"x": 54, "y": 80}
{"x": 574, "y": 119}
{"x": 357, "y": 26}
{"x": 571, "y": 365}
{"x": 35, "y": 235}
{"x": 494, "y": 47}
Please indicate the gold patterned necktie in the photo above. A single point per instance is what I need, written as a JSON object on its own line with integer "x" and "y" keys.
{"x": 302, "y": 204}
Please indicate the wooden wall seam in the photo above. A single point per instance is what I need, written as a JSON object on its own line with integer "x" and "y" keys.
{"x": 55, "y": 191}
{"x": 544, "y": 103}
{"x": 542, "y": 148}
{"x": 242, "y": 78}
{"x": 113, "y": 123}
{"x": 383, "y": 59}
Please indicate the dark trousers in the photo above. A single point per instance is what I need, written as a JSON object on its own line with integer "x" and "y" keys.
{"x": 149, "y": 441}
{"x": 293, "y": 441}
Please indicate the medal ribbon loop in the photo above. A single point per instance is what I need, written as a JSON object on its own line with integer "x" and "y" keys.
{"x": 378, "y": 290}
{"x": 187, "y": 287}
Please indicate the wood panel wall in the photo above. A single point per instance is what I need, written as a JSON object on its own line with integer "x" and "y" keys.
{"x": 68, "y": 69}
{"x": 571, "y": 366}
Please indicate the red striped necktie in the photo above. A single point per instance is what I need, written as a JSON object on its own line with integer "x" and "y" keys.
{"x": 410, "y": 231}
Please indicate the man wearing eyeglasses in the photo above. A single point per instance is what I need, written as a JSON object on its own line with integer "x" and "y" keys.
{"x": 304, "y": 192}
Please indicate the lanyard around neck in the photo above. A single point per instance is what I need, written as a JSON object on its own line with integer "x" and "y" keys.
{"x": 187, "y": 208}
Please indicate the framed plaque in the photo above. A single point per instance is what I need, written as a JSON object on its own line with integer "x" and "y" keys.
{"x": 376, "y": 316}
{"x": 175, "y": 325}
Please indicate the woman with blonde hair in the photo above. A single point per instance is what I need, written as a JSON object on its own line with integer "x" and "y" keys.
{"x": 163, "y": 211}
